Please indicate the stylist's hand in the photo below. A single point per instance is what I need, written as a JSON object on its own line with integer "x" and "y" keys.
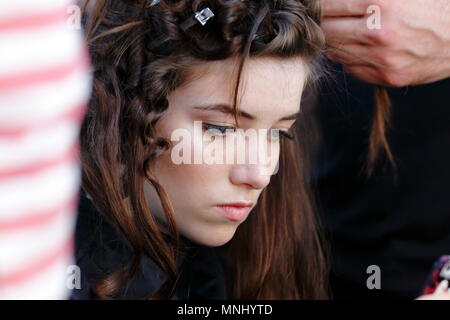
{"x": 412, "y": 46}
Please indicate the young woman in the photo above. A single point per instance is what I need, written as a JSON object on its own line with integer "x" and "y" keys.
{"x": 151, "y": 226}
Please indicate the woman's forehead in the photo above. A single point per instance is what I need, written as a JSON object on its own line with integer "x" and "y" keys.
{"x": 266, "y": 84}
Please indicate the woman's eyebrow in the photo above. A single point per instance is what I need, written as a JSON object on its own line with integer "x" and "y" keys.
{"x": 224, "y": 108}
{"x": 227, "y": 109}
{"x": 293, "y": 116}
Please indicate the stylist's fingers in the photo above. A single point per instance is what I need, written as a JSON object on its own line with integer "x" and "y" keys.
{"x": 344, "y": 8}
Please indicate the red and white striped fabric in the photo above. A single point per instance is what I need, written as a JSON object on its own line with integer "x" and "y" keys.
{"x": 44, "y": 87}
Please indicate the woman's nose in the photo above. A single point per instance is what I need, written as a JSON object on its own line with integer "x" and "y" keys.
{"x": 252, "y": 175}
{"x": 257, "y": 170}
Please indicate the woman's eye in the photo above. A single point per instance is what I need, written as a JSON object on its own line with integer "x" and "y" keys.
{"x": 274, "y": 134}
{"x": 215, "y": 129}
{"x": 277, "y": 134}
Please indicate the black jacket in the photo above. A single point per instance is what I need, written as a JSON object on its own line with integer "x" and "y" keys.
{"x": 401, "y": 225}
{"x": 101, "y": 250}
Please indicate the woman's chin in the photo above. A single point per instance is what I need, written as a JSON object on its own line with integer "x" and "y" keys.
{"x": 213, "y": 237}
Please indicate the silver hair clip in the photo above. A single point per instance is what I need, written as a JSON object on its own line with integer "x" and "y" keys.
{"x": 201, "y": 17}
{"x": 204, "y": 15}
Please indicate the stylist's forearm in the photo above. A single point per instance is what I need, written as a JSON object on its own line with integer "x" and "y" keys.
{"x": 410, "y": 45}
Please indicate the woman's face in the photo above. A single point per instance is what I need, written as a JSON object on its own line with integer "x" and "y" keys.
{"x": 210, "y": 199}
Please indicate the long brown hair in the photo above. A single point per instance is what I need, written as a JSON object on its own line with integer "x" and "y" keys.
{"x": 140, "y": 54}
{"x": 378, "y": 146}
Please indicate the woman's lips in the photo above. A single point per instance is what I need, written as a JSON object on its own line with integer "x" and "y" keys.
{"x": 235, "y": 211}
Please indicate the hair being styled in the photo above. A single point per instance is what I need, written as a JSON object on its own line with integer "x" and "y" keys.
{"x": 140, "y": 54}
